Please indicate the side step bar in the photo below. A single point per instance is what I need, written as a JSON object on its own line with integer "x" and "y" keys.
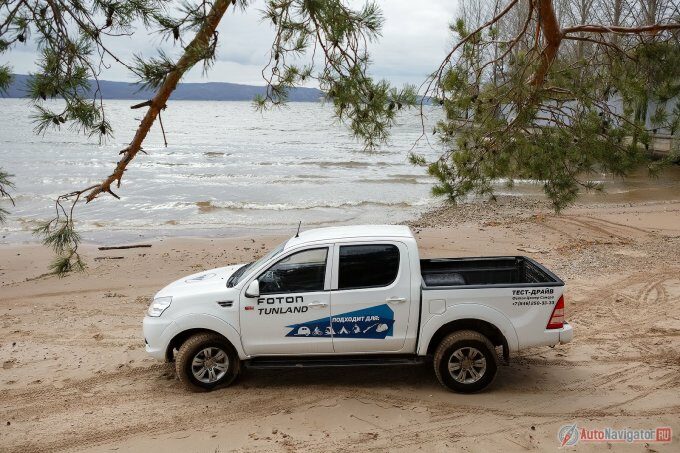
{"x": 319, "y": 362}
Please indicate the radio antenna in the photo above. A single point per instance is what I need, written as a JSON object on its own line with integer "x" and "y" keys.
{"x": 297, "y": 235}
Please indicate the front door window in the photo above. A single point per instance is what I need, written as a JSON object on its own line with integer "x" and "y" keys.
{"x": 300, "y": 272}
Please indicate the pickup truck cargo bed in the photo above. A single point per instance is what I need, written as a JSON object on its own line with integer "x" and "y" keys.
{"x": 497, "y": 270}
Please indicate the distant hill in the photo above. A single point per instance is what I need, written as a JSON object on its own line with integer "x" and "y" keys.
{"x": 212, "y": 91}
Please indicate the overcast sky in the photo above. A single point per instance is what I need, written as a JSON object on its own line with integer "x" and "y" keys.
{"x": 415, "y": 39}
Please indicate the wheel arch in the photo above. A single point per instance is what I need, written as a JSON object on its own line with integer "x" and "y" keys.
{"x": 483, "y": 319}
{"x": 188, "y": 326}
{"x": 178, "y": 340}
{"x": 484, "y": 327}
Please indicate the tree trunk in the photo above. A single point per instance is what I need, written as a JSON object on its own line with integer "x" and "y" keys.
{"x": 188, "y": 59}
{"x": 552, "y": 34}
{"x": 616, "y": 19}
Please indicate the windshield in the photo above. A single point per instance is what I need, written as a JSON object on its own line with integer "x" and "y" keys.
{"x": 236, "y": 276}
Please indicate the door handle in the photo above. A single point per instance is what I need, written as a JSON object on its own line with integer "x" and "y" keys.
{"x": 317, "y": 304}
{"x": 395, "y": 300}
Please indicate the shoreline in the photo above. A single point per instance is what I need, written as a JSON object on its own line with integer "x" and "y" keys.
{"x": 505, "y": 208}
{"x": 113, "y": 222}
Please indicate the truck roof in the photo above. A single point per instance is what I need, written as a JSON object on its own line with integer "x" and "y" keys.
{"x": 351, "y": 231}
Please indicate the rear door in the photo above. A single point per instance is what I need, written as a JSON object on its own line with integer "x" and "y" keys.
{"x": 371, "y": 297}
{"x": 291, "y": 316}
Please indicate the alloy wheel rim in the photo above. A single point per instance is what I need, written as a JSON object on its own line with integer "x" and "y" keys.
{"x": 210, "y": 365}
{"x": 467, "y": 365}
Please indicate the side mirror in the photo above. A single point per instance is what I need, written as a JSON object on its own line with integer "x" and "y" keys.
{"x": 253, "y": 289}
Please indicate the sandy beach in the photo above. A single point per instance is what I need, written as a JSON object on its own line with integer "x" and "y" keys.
{"x": 75, "y": 375}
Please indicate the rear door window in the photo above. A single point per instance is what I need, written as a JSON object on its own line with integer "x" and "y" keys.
{"x": 367, "y": 266}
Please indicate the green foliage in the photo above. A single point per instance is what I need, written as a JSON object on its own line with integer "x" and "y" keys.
{"x": 5, "y": 78}
{"x": 416, "y": 159}
{"x": 5, "y": 185}
{"x": 589, "y": 117}
{"x": 152, "y": 72}
{"x": 81, "y": 114}
{"x": 60, "y": 235}
{"x": 63, "y": 264}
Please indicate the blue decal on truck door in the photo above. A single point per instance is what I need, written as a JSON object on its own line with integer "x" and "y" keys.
{"x": 373, "y": 322}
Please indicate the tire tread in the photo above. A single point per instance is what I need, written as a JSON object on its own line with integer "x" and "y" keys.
{"x": 188, "y": 348}
{"x": 461, "y": 335}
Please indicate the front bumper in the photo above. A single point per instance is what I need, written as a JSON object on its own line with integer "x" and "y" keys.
{"x": 567, "y": 333}
{"x": 156, "y": 343}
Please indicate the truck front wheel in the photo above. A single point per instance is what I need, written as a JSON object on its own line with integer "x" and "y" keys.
{"x": 207, "y": 361}
{"x": 465, "y": 361}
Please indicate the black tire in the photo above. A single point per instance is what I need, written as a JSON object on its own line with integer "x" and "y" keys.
{"x": 192, "y": 348}
{"x": 464, "y": 343}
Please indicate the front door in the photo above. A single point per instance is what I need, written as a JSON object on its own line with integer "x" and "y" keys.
{"x": 370, "y": 301}
{"x": 291, "y": 316}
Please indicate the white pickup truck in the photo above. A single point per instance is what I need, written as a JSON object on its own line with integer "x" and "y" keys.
{"x": 356, "y": 295}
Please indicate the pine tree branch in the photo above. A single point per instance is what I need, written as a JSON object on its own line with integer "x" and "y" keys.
{"x": 649, "y": 29}
{"x": 186, "y": 62}
{"x": 5, "y": 185}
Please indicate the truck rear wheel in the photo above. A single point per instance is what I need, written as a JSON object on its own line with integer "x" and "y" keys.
{"x": 465, "y": 361}
{"x": 207, "y": 361}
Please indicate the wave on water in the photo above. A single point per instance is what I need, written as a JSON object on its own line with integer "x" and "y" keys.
{"x": 300, "y": 179}
{"x": 348, "y": 164}
{"x": 210, "y": 206}
{"x": 402, "y": 180}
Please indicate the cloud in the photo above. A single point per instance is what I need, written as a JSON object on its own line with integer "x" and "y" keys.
{"x": 414, "y": 40}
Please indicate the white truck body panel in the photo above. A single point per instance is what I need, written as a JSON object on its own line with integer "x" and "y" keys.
{"x": 400, "y": 317}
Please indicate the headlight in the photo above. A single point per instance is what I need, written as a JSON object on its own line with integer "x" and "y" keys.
{"x": 158, "y": 306}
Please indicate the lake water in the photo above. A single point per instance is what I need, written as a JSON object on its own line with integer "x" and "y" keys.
{"x": 229, "y": 169}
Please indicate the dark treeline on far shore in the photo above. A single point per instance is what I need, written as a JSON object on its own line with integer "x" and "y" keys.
{"x": 210, "y": 91}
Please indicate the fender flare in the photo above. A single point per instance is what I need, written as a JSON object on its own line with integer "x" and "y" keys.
{"x": 468, "y": 311}
{"x": 205, "y": 322}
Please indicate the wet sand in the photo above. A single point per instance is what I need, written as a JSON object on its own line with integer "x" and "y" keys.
{"x": 75, "y": 375}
